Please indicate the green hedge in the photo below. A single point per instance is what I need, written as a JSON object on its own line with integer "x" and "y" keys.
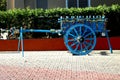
{"x": 20, "y": 17}
{"x": 3, "y": 4}
{"x": 30, "y": 17}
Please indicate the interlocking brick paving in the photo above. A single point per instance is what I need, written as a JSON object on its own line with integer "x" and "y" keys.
{"x": 59, "y": 65}
{"x": 30, "y": 73}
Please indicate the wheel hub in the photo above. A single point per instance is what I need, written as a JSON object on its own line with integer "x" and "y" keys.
{"x": 80, "y": 39}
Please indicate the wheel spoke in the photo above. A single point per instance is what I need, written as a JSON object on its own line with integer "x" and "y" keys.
{"x": 70, "y": 40}
{"x": 75, "y": 31}
{"x": 89, "y": 38}
{"x": 81, "y": 47}
{"x": 73, "y": 44}
{"x": 84, "y": 31}
{"x": 80, "y": 30}
{"x": 87, "y": 35}
{"x": 88, "y": 44}
{"x": 71, "y": 35}
{"x": 85, "y": 47}
{"x": 76, "y": 47}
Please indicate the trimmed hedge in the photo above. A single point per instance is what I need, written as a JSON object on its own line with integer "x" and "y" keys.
{"x": 3, "y": 4}
{"x": 30, "y": 18}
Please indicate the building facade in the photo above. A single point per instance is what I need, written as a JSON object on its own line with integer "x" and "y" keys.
{"x": 46, "y": 4}
{"x": 102, "y": 2}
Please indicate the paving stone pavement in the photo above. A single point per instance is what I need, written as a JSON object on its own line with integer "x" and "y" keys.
{"x": 60, "y": 65}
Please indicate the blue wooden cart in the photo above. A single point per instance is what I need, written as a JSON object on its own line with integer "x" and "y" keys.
{"x": 79, "y": 33}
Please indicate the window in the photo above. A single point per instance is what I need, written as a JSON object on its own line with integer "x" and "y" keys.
{"x": 77, "y": 3}
{"x": 61, "y": 3}
{"x": 42, "y": 4}
{"x": 72, "y": 3}
{"x": 83, "y": 3}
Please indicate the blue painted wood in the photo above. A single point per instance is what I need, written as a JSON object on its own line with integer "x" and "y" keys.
{"x": 80, "y": 39}
{"x": 21, "y": 40}
{"x": 33, "y": 30}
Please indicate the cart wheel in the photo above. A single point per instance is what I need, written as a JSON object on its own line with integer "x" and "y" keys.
{"x": 80, "y": 39}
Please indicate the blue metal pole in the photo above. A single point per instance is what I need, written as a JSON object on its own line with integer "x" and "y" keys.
{"x": 89, "y": 3}
{"x": 77, "y": 3}
{"x": 33, "y": 30}
{"x": 21, "y": 38}
{"x": 61, "y": 23}
{"x": 66, "y": 3}
{"x": 19, "y": 44}
{"x": 108, "y": 39}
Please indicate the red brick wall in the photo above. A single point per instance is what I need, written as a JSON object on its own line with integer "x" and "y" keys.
{"x": 53, "y": 44}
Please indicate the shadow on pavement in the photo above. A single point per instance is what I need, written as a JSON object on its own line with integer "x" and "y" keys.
{"x": 104, "y": 53}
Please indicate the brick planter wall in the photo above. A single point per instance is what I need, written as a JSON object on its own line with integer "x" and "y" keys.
{"x": 53, "y": 44}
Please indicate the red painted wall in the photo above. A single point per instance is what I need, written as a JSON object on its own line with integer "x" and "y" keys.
{"x": 53, "y": 44}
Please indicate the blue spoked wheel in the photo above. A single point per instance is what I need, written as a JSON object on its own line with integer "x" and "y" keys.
{"x": 80, "y": 39}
